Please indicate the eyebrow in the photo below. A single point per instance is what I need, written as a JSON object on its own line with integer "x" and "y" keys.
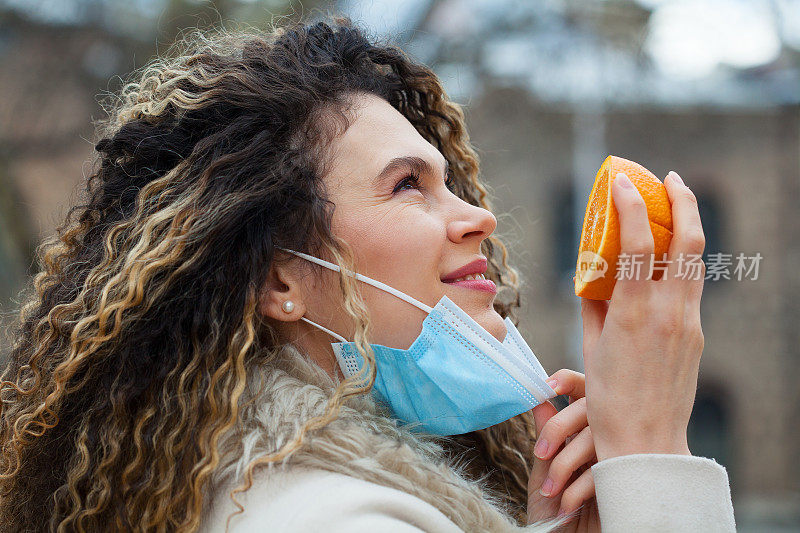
{"x": 417, "y": 164}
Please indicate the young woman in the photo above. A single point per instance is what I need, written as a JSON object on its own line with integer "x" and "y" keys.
{"x": 174, "y": 370}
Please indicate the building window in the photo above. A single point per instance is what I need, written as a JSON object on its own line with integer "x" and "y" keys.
{"x": 709, "y": 431}
{"x": 711, "y": 218}
{"x": 566, "y": 232}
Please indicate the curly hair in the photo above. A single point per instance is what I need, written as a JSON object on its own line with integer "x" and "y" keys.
{"x": 140, "y": 336}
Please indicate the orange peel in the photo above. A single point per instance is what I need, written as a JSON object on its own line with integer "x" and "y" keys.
{"x": 600, "y": 247}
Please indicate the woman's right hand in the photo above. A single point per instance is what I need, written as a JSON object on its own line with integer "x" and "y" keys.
{"x": 642, "y": 348}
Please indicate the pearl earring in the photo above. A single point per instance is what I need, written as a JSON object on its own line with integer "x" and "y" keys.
{"x": 288, "y": 306}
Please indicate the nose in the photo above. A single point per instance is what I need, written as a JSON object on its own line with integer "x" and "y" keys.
{"x": 470, "y": 222}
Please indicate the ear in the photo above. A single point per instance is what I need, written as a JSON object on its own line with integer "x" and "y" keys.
{"x": 282, "y": 285}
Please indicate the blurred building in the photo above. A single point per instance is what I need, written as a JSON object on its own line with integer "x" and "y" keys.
{"x": 549, "y": 89}
{"x": 743, "y": 168}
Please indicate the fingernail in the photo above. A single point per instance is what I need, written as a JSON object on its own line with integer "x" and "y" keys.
{"x": 547, "y": 487}
{"x": 553, "y": 383}
{"x": 675, "y": 177}
{"x": 624, "y": 181}
{"x": 540, "y": 450}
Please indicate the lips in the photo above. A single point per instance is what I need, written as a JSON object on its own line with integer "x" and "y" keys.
{"x": 478, "y": 266}
{"x": 472, "y": 276}
{"x": 485, "y": 285}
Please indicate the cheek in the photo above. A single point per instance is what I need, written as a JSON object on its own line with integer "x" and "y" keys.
{"x": 404, "y": 246}
{"x": 403, "y": 249}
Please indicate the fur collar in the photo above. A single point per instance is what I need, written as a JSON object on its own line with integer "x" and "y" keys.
{"x": 363, "y": 441}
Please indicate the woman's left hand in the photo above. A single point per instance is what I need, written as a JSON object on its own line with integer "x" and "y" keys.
{"x": 561, "y": 479}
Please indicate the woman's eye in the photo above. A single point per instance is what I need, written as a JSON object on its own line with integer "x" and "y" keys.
{"x": 409, "y": 182}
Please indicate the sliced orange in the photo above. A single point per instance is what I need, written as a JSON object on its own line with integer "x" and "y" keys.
{"x": 599, "y": 249}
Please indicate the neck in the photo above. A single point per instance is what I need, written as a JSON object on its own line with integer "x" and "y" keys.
{"x": 315, "y": 344}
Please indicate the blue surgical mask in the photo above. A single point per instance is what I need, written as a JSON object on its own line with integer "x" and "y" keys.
{"x": 455, "y": 377}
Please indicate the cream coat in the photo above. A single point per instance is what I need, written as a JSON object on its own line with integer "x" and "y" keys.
{"x": 362, "y": 474}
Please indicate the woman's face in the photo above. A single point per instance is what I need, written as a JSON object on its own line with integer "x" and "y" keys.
{"x": 412, "y": 235}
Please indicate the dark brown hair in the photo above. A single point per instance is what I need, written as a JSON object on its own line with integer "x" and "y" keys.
{"x": 133, "y": 348}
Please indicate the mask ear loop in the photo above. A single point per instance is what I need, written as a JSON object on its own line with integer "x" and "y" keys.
{"x": 369, "y": 281}
{"x": 326, "y": 330}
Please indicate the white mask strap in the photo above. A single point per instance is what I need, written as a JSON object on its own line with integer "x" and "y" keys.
{"x": 365, "y": 279}
{"x": 326, "y": 330}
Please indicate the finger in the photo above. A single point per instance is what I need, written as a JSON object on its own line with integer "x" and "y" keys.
{"x": 688, "y": 239}
{"x": 541, "y": 414}
{"x": 538, "y": 473}
{"x": 593, "y": 317}
{"x": 540, "y": 507}
{"x": 561, "y": 425}
{"x": 569, "y": 460}
{"x": 569, "y": 382}
{"x": 578, "y": 492}
{"x": 636, "y": 238}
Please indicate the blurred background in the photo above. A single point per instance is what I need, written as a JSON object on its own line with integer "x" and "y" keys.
{"x": 708, "y": 88}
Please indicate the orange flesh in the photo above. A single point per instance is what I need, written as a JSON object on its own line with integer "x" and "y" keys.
{"x": 600, "y": 232}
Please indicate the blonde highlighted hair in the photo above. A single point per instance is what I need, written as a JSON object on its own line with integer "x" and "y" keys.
{"x": 141, "y": 371}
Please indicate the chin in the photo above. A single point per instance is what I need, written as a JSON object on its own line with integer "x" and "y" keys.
{"x": 484, "y": 314}
{"x": 494, "y": 324}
